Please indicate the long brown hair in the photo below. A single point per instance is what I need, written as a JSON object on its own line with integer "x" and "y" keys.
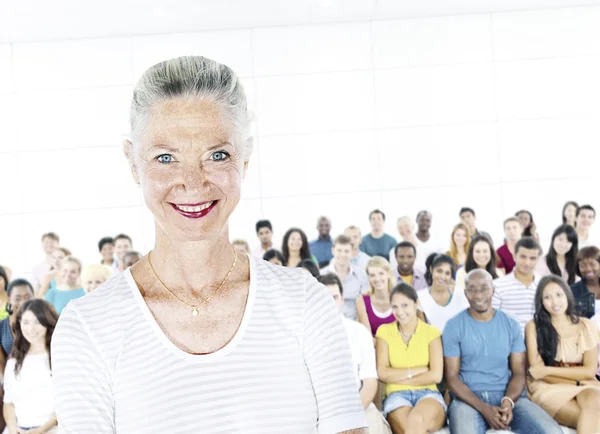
{"x": 47, "y": 316}
{"x": 453, "y": 252}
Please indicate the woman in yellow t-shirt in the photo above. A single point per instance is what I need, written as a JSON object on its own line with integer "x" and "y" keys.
{"x": 410, "y": 363}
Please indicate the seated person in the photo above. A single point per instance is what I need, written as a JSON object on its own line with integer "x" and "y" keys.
{"x": 273, "y": 256}
{"x": 310, "y": 266}
{"x": 374, "y": 309}
{"x": 587, "y": 290}
{"x": 363, "y": 357}
{"x": 241, "y": 246}
{"x": 410, "y": 363}
{"x": 482, "y": 255}
{"x": 69, "y": 288}
{"x": 95, "y": 275}
{"x": 485, "y": 366}
{"x": 513, "y": 231}
{"x": 561, "y": 259}
{"x": 405, "y": 255}
{"x": 562, "y": 349}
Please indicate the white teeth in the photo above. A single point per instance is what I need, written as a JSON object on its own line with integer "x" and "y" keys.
{"x": 194, "y": 208}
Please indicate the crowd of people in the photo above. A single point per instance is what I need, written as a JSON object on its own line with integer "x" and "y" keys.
{"x": 464, "y": 334}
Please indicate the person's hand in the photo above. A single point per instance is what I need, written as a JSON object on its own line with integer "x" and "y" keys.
{"x": 494, "y": 417}
{"x": 538, "y": 371}
{"x": 506, "y": 410}
{"x": 34, "y": 431}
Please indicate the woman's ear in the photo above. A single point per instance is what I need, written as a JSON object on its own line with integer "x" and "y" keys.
{"x": 129, "y": 154}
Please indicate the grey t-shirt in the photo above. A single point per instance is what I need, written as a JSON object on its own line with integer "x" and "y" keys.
{"x": 378, "y": 246}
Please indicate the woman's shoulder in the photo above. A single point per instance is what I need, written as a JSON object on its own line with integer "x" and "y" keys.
{"x": 268, "y": 274}
{"x": 429, "y": 329}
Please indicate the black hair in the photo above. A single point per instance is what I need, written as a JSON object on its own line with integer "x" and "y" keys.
{"x": 406, "y": 290}
{"x": 569, "y": 203}
{"x": 122, "y": 237}
{"x": 470, "y": 263}
{"x": 547, "y": 336}
{"x": 588, "y": 207}
{"x": 377, "y": 211}
{"x": 4, "y": 277}
{"x": 405, "y": 245}
{"x": 527, "y": 243}
{"x": 14, "y": 283}
{"x": 105, "y": 240}
{"x": 420, "y": 213}
{"x": 308, "y": 264}
{"x": 273, "y": 253}
{"x": 263, "y": 224}
{"x": 331, "y": 279}
{"x": 571, "y": 256}
{"x": 433, "y": 261}
{"x": 466, "y": 209}
{"x": 304, "y": 250}
{"x": 588, "y": 252}
{"x": 527, "y": 230}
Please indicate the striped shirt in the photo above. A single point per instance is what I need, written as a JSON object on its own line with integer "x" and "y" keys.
{"x": 514, "y": 298}
{"x": 288, "y": 369}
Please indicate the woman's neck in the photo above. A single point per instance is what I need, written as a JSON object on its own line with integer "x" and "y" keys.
{"x": 67, "y": 286}
{"x": 107, "y": 262}
{"x": 37, "y": 348}
{"x": 437, "y": 288}
{"x": 582, "y": 234}
{"x": 182, "y": 264}
{"x": 559, "y": 320}
{"x": 381, "y": 295}
{"x": 410, "y": 328}
{"x": 561, "y": 259}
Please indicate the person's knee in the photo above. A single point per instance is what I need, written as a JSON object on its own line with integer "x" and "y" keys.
{"x": 416, "y": 420}
{"x": 589, "y": 399}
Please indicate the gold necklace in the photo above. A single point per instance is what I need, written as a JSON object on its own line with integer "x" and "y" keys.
{"x": 206, "y": 300}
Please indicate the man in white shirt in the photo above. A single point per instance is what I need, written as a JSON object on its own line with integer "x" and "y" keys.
{"x": 50, "y": 242}
{"x": 515, "y": 292}
{"x": 359, "y": 258}
{"x": 363, "y": 358}
{"x": 264, "y": 232}
{"x": 123, "y": 245}
{"x": 427, "y": 244}
{"x": 355, "y": 280}
{"x": 586, "y": 217}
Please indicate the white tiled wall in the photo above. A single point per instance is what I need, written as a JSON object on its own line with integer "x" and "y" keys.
{"x": 498, "y": 111}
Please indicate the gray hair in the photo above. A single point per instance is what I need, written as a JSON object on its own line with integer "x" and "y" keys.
{"x": 192, "y": 77}
{"x": 478, "y": 272}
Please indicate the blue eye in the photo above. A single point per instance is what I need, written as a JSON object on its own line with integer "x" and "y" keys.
{"x": 219, "y": 156}
{"x": 165, "y": 158}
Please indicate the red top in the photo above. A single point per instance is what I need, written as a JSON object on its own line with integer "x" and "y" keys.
{"x": 507, "y": 261}
{"x": 375, "y": 320}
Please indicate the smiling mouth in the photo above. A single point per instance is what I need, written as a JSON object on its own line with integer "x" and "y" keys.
{"x": 196, "y": 210}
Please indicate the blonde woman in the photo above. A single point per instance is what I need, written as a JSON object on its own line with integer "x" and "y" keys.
{"x": 460, "y": 240}
{"x": 95, "y": 275}
{"x": 69, "y": 288}
{"x": 241, "y": 245}
{"x": 374, "y": 309}
{"x": 52, "y": 278}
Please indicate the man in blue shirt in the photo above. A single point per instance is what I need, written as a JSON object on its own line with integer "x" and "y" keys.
{"x": 485, "y": 367}
{"x": 321, "y": 247}
{"x": 377, "y": 243}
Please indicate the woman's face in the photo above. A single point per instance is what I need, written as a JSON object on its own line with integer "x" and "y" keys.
{"x": 554, "y": 299}
{"x": 70, "y": 272}
{"x": 460, "y": 238}
{"x": 525, "y": 219}
{"x": 33, "y": 331}
{"x": 18, "y": 296}
{"x": 190, "y": 168}
{"x": 403, "y": 308}
{"x": 294, "y": 242}
{"x": 561, "y": 244}
{"x": 57, "y": 258}
{"x": 589, "y": 269}
{"x": 378, "y": 278}
{"x": 442, "y": 274}
{"x": 570, "y": 212}
{"x": 107, "y": 251}
{"x": 482, "y": 254}
{"x": 405, "y": 228}
{"x": 92, "y": 283}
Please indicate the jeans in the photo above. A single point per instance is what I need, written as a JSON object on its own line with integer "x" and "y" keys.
{"x": 410, "y": 398}
{"x": 528, "y": 418}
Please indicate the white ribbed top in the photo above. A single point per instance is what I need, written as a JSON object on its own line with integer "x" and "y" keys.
{"x": 287, "y": 370}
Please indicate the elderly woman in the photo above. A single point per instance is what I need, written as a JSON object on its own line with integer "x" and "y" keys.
{"x": 197, "y": 337}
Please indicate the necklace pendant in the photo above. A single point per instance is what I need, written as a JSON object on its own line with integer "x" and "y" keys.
{"x": 194, "y": 312}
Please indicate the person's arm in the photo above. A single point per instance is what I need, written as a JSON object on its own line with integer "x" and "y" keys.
{"x": 81, "y": 379}
{"x": 367, "y": 368}
{"x": 518, "y": 379}
{"x": 361, "y": 312}
{"x": 45, "y": 285}
{"x": 8, "y": 410}
{"x": 391, "y": 375}
{"x": 368, "y": 391}
{"x": 49, "y": 424}
{"x": 540, "y": 371}
{"x": 2, "y": 364}
{"x": 333, "y": 379}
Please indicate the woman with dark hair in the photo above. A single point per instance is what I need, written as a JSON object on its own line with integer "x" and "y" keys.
{"x": 28, "y": 400}
{"x": 4, "y": 280}
{"x": 310, "y": 266}
{"x": 587, "y": 290}
{"x": 295, "y": 248}
{"x": 529, "y": 226}
{"x": 569, "y": 213}
{"x": 481, "y": 255}
{"x": 442, "y": 299}
{"x": 562, "y": 350}
{"x": 273, "y": 256}
{"x": 561, "y": 259}
{"x": 410, "y": 363}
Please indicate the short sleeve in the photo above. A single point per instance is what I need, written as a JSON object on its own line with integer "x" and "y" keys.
{"x": 451, "y": 339}
{"x": 327, "y": 356}
{"x": 589, "y": 337}
{"x": 382, "y": 332}
{"x": 433, "y": 334}
{"x": 368, "y": 366}
{"x": 49, "y": 296}
{"x": 517, "y": 341}
{"x": 9, "y": 381}
{"x": 81, "y": 380}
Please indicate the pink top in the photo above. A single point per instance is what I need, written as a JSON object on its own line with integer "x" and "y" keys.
{"x": 377, "y": 318}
